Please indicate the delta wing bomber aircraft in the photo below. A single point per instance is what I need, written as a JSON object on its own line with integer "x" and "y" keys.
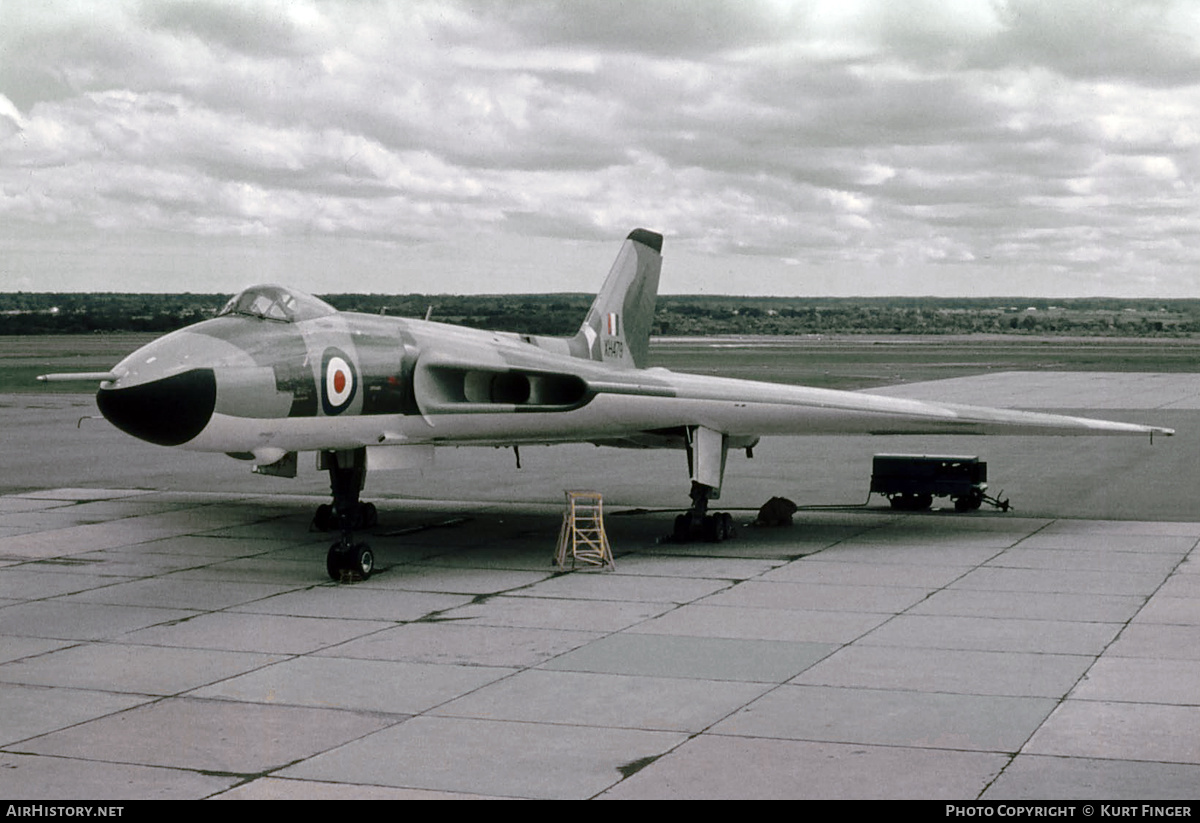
{"x": 278, "y": 372}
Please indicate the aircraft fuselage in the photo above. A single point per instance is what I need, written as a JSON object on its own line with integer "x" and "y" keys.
{"x": 251, "y": 385}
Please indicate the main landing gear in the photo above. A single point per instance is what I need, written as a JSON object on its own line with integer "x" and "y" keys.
{"x": 347, "y": 474}
{"x": 707, "y": 450}
{"x": 697, "y": 524}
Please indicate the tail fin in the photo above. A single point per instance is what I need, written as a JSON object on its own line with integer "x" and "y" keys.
{"x": 617, "y": 328}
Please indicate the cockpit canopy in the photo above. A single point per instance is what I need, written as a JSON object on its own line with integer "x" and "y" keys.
{"x": 276, "y": 303}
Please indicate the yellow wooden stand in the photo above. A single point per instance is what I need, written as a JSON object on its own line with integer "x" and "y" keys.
{"x": 582, "y": 535}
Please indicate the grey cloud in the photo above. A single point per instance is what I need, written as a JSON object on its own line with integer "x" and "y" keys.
{"x": 1047, "y": 134}
{"x": 257, "y": 29}
{"x": 667, "y": 28}
{"x": 1141, "y": 41}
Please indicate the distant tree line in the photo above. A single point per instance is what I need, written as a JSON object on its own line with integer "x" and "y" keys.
{"x": 557, "y": 314}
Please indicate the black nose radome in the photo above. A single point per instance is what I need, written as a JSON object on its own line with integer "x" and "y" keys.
{"x": 169, "y": 412}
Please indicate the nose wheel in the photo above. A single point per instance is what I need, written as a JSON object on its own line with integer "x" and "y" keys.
{"x": 355, "y": 561}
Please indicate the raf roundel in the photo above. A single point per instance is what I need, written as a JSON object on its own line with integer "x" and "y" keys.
{"x": 339, "y": 382}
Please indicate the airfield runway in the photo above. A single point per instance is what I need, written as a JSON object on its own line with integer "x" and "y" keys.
{"x": 167, "y": 629}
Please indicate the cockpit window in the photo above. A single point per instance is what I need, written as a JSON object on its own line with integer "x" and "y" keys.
{"x": 276, "y": 303}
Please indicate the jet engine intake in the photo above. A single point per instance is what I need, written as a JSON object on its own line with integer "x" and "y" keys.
{"x": 447, "y": 389}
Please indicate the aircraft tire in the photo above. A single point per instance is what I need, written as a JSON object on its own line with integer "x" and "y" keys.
{"x": 323, "y": 518}
{"x": 714, "y": 528}
{"x": 358, "y": 560}
{"x": 682, "y": 533}
{"x": 369, "y": 515}
{"x": 364, "y": 560}
{"x": 333, "y": 562}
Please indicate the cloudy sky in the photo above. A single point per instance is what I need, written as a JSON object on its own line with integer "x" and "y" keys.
{"x": 1035, "y": 147}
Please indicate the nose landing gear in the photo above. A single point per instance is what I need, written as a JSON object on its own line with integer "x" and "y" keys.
{"x": 347, "y": 560}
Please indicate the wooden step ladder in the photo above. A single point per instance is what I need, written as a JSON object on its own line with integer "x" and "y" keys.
{"x": 582, "y": 536}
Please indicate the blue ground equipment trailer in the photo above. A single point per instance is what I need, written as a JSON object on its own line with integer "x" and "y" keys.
{"x": 911, "y": 481}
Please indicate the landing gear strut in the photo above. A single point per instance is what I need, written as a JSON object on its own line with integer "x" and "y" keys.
{"x": 347, "y": 474}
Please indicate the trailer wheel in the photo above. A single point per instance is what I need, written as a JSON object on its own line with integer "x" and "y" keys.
{"x": 912, "y": 502}
{"x": 968, "y": 503}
